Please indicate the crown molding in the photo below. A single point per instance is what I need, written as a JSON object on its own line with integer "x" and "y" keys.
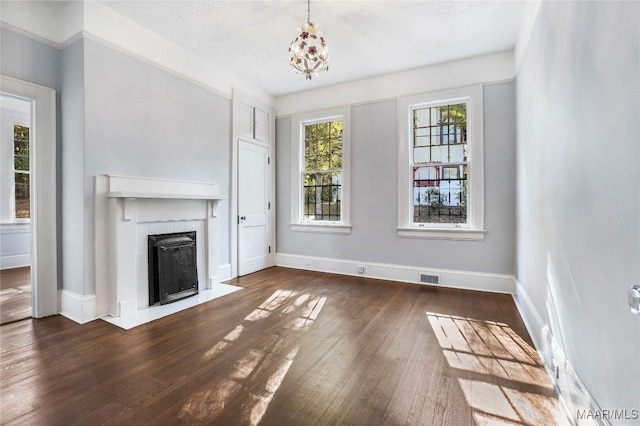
{"x": 30, "y": 35}
{"x": 59, "y": 27}
{"x": 490, "y": 68}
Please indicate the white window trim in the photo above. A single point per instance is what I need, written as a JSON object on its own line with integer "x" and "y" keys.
{"x": 297, "y": 138}
{"x": 14, "y": 118}
{"x": 474, "y": 228}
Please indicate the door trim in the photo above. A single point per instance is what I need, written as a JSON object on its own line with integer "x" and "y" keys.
{"x": 44, "y": 242}
{"x": 239, "y": 97}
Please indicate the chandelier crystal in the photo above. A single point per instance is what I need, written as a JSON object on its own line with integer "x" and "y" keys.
{"x": 309, "y": 51}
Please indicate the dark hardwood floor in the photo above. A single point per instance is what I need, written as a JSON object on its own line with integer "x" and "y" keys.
{"x": 292, "y": 348}
{"x": 15, "y": 294}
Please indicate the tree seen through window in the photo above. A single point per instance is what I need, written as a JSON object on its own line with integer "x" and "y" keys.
{"x": 21, "y": 171}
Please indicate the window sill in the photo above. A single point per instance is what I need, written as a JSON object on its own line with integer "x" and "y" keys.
{"x": 321, "y": 228}
{"x": 443, "y": 233}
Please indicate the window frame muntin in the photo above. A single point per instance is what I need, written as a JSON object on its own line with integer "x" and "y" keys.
{"x": 474, "y": 229}
{"x": 298, "y": 123}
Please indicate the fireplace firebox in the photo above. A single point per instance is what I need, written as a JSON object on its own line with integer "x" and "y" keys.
{"x": 173, "y": 272}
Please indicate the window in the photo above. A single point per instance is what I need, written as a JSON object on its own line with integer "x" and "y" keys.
{"x": 322, "y": 177}
{"x": 440, "y": 165}
{"x": 21, "y": 171}
{"x": 320, "y": 172}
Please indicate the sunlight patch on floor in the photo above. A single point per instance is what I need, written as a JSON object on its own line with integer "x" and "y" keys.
{"x": 245, "y": 385}
{"x": 490, "y": 348}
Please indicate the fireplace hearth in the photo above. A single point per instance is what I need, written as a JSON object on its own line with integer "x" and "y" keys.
{"x": 173, "y": 272}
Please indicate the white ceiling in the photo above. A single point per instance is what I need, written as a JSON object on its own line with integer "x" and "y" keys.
{"x": 365, "y": 38}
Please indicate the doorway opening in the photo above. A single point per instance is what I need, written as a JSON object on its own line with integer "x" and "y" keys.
{"x": 42, "y": 189}
{"x": 15, "y": 209}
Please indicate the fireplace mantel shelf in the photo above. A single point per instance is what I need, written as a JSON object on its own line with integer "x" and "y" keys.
{"x": 129, "y": 189}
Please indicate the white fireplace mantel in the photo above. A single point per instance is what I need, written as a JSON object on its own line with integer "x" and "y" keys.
{"x": 131, "y": 202}
{"x": 139, "y": 187}
{"x": 131, "y": 188}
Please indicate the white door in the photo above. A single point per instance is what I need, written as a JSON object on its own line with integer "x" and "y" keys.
{"x": 253, "y": 207}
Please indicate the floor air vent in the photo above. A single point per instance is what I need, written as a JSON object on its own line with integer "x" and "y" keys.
{"x": 429, "y": 279}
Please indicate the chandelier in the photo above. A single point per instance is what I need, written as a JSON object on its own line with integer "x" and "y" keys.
{"x": 309, "y": 52}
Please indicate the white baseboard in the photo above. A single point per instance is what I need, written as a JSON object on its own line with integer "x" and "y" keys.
{"x": 530, "y": 315}
{"x": 82, "y": 309}
{"x": 495, "y": 283}
{"x": 76, "y": 307}
{"x": 572, "y": 393}
{"x": 17, "y": 261}
{"x": 224, "y": 273}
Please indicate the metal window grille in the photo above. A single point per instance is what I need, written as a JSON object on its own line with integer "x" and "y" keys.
{"x": 440, "y": 164}
{"x": 322, "y": 202}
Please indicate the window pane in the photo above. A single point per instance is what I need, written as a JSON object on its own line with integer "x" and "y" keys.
{"x": 421, "y": 117}
{"x": 455, "y": 113}
{"x": 336, "y": 161}
{"x": 321, "y": 194}
{"x": 21, "y": 167}
{"x": 20, "y": 147}
{"x": 457, "y": 153}
{"x": 323, "y": 146}
{"x": 311, "y": 162}
{"x": 336, "y": 130}
{"x": 22, "y": 195}
{"x": 450, "y": 172}
{"x": 335, "y": 157}
{"x": 435, "y": 135}
{"x": 440, "y": 194}
{"x": 439, "y": 154}
{"x": 421, "y": 155}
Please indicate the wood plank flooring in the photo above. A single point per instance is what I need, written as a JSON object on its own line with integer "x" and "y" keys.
{"x": 15, "y": 294}
{"x": 292, "y": 348}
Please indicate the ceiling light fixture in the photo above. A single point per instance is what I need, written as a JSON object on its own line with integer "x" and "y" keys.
{"x": 309, "y": 52}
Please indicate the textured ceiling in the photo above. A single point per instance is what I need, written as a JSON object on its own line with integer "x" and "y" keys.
{"x": 365, "y": 38}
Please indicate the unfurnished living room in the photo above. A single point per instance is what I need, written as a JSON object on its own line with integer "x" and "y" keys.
{"x": 320, "y": 212}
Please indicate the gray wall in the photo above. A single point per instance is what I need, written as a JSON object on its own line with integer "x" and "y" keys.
{"x": 28, "y": 60}
{"x": 142, "y": 121}
{"x": 578, "y": 204}
{"x": 72, "y": 235}
{"x": 374, "y": 195}
{"x": 120, "y": 115}
{"x": 38, "y": 63}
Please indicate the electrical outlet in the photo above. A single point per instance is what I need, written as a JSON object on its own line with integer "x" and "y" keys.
{"x": 361, "y": 269}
